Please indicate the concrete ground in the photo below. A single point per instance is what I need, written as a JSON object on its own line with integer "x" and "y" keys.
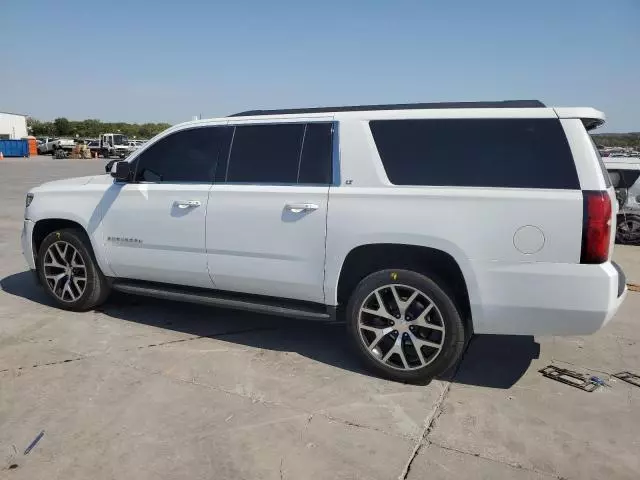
{"x": 151, "y": 389}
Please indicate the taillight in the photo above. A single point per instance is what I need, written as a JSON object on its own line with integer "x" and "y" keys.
{"x": 596, "y": 227}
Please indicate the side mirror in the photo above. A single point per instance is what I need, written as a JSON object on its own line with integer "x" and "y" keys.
{"x": 107, "y": 167}
{"x": 121, "y": 171}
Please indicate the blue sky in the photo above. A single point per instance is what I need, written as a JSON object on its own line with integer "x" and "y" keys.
{"x": 169, "y": 60}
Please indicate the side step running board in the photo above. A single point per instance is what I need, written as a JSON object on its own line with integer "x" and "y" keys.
{"x": 263, "y": 305}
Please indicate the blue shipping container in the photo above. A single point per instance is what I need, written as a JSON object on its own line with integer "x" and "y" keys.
{"x": 14, "y": 148}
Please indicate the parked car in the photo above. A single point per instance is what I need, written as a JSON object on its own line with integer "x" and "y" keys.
{"x": 50, "y": 145}
{"x": 624, "y": 173}
{"x": 133, "y": 146}
{"x": 418, "y": 225}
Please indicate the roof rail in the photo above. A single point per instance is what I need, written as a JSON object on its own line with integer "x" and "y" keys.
{"x": 397, "y": 106}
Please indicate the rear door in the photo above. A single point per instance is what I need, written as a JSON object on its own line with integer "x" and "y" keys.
{"x": 266, "y": 222}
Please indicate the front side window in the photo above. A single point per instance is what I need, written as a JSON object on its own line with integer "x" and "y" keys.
{"x": 512, "y": 153}
{"x": 281, "y": 154}
{"x": 185, "y": 156}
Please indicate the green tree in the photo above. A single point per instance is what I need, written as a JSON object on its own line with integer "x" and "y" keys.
{"x": 38, "y": 128}
{"x": 62, "y": 126}
{"x": 617, "y": 139}
{"x": 92, "y": 128}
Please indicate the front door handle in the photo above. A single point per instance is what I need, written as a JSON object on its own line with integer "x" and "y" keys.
{"x": 187, "y": 203}
{"x": 301, "y": 207}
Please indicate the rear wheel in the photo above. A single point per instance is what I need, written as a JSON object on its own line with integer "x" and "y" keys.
{"x": 404, "y": 325}
{"x": 69, "y": 272}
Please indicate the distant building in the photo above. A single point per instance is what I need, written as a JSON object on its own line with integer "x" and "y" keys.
{"x": 13, "y": 126}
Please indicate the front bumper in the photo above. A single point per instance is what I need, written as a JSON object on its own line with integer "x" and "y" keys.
{"x": 26, "y": 240}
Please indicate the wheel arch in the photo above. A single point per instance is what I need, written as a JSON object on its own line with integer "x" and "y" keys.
{"x": 364, "y": 259}
{"x": 45, "y": 226}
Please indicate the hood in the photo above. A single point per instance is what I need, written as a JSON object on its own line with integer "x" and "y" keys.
{"x": 62, "y": 184}
{"x": 104, "y": 179}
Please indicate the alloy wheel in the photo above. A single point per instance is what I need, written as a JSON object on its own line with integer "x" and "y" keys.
{"x": 65, "y": 271}
{"x": 401, "y": 327}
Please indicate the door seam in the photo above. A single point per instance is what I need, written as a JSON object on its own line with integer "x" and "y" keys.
{"x": 206, "y": 229}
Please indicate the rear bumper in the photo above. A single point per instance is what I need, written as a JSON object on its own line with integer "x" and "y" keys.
{"x": 622, "y": 279}
{"x": 547, "y": 299}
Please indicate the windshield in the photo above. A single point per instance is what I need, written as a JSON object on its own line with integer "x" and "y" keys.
{"x": 120, "y": 140}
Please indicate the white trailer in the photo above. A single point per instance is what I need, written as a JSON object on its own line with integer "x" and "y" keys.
{"x": 13, "y": 126}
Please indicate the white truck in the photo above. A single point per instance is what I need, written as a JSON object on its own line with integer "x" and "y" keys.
{"x": 114, "y": 145}
{"x": 417, "y": 225}
{"x": 50, "y": 145}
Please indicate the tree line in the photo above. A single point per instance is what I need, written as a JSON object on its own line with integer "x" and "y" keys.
{"x": 617, "y": 139}
{"x": 92, "y": 128}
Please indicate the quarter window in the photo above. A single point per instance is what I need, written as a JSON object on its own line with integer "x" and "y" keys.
{"x": 517, "y": 153}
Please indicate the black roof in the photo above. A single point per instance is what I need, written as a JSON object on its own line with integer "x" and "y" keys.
{"x": 398, "y": 106}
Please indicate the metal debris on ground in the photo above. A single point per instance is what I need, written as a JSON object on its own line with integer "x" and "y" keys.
{"x": 628, "y": 377}
{"x": 34, "y": 443}
{"x": 575, "y": 379}
{"x": 633, "y": 287}
{"x": 599, "y": 381}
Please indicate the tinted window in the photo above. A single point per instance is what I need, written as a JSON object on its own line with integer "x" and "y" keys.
{"x": 315, "y": 162}
{"x": 265, "y": 153}
{"x": 186, "y": 156}
{"x": 525, "y": 153}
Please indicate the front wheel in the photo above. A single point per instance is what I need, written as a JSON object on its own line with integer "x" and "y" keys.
{"x": 405, "y": 326}
{"x": 69, "y": 272}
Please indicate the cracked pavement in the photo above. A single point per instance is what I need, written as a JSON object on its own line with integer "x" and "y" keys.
{"x": 154, "y": 389}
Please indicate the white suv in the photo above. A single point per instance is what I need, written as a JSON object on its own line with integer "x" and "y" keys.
{"x": 418, "y": 225}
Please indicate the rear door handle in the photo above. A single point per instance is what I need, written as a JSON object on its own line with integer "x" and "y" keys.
{"x": 187, "y": 203}
{"x": 301, "y": 207}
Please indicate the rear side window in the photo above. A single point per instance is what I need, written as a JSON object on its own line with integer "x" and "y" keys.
{"x": 265, "y": 153}
{"x": 513, "y": 153}
{"x": 193, "y": 155}
{"x": 281, "y": 154}
{"x": 315, "y": 161}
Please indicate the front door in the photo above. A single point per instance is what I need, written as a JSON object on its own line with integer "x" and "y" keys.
{"x": 266, "y": 220}
{"x": 154, "y": 226}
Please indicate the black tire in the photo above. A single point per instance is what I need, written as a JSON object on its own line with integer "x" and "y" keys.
{"x": 97, "y": 288}
{"x": 455, "y": 335}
